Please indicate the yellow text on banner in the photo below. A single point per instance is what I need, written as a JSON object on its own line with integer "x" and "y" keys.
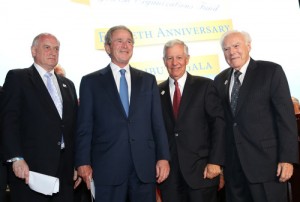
{"x": 207, "y": 66}
{"x": 159, "y": 34}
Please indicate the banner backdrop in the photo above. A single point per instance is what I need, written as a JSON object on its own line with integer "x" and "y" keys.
{"x": 80, "y": 25}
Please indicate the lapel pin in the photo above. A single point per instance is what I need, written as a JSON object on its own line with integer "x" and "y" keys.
{"x": 225, "y": 83}
{"x": 64, "y": 85}
{"x": 162, "y": 92}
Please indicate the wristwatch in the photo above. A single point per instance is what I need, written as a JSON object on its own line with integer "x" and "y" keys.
{"x": 15, "y": 159}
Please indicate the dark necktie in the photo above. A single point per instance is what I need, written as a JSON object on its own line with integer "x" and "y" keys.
{"x": 124, "y": 91}
{"x": 235, "y": 91}
{"x": 176, "y": 99}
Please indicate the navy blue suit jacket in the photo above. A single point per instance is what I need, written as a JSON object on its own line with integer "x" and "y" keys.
{"x": 110, "y": 141}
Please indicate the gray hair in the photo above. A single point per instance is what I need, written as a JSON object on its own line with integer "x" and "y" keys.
{"x": 245, "y": 35}
{"x": 108, "y": 36}
{"x": 172, "y": 43}
{"x": 36, "y": 39}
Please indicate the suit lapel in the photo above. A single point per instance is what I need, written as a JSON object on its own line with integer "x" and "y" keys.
{"x": 166, "y": 99}
{"x": 246, "y": 86}
{"x": 110, "y": 86}
{"x": 65, "y": 93}
{"x": 42, "y": 90}
{"x": 136, "y": 83}
{"x": 227, "y": 83}
{"x": 186, "y": 95}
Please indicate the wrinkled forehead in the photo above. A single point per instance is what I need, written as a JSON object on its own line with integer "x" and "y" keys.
{"x": 234, "y": 38}
{"x": 48, "y": 40}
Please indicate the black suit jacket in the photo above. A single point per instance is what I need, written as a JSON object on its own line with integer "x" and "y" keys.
{"x": 32, "y": 127}
{"x": 1, "y": 146}
{"x": 197, "y": 137}
{"x": 264, "y": 129}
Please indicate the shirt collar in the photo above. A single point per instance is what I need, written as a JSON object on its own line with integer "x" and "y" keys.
{"x": 116, "y": 68}
{"x": 181, "y": 80}
{"x": 41, "y": 70}
{"x": 244, "y": 67}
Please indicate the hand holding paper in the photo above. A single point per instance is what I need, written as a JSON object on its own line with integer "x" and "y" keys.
{"x": 44, "y": 184}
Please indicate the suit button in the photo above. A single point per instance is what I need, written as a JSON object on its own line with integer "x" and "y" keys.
{"x": 58, "y": 143}
{"x": 176, "y": 134}
{"x": 235, "y": 124}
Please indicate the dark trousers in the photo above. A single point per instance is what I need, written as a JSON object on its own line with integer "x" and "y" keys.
{"x": 82, "y": 194}
{"x": 178, "y": 190}
{"x": 238, "y": 189}
{"x": 132, "y": 190}
{"x": 3, "y": 181}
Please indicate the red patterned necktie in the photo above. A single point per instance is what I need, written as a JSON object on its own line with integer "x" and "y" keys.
{"x": 176, "y": 99}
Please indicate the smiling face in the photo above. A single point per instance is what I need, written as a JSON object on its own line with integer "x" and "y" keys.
{"x": 176, "y": 60}
{"x": 236, "y": 50}
{"x": 120, "y": 48}
{"x": 46, "y": 52}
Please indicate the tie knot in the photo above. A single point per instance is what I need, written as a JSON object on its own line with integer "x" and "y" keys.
{"x": 237, "y": 74}
{"x": 48, "y": 74}
{"x": 122, "y": 72}
{"x": 176, "y": 83}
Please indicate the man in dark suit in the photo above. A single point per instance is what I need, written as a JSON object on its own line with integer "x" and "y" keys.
{"x": 195, "y": 132}
{"x": 37, "y": 132}
{"x": 122, "y": 146}
{"x": 261, "y": 132}
{"x": 3, "y": 167}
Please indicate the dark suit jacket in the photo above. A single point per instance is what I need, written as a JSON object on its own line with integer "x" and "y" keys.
{"x": 264, "y": 128}
{"x": 109, "y": 141}
{"x": 32, "y": 127}
{"x": 198, "y": 134}
{"x": 1, "y": 146}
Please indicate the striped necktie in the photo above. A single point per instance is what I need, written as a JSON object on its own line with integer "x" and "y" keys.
{"x": 235, "y": 91}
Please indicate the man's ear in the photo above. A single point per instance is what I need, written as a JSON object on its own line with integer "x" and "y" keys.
{"x": 33, "y": 51}
{"x": 107, "y": 49}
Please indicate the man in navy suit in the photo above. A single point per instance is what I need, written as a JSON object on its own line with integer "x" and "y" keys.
{"x": 261, "y": 132}
{"x": 195, "y": 131}
{"x": 36, "y": 135}
{"x": 123, "y": 151}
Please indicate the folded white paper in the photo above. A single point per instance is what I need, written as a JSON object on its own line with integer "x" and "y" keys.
{"x": 44, "y": 184}
{"x": 93, "y": 189}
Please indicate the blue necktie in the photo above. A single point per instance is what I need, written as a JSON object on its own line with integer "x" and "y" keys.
{"x": 55, "y": 97}
{"x": 235, "y": 91}
{"x": 124, "y": 91}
